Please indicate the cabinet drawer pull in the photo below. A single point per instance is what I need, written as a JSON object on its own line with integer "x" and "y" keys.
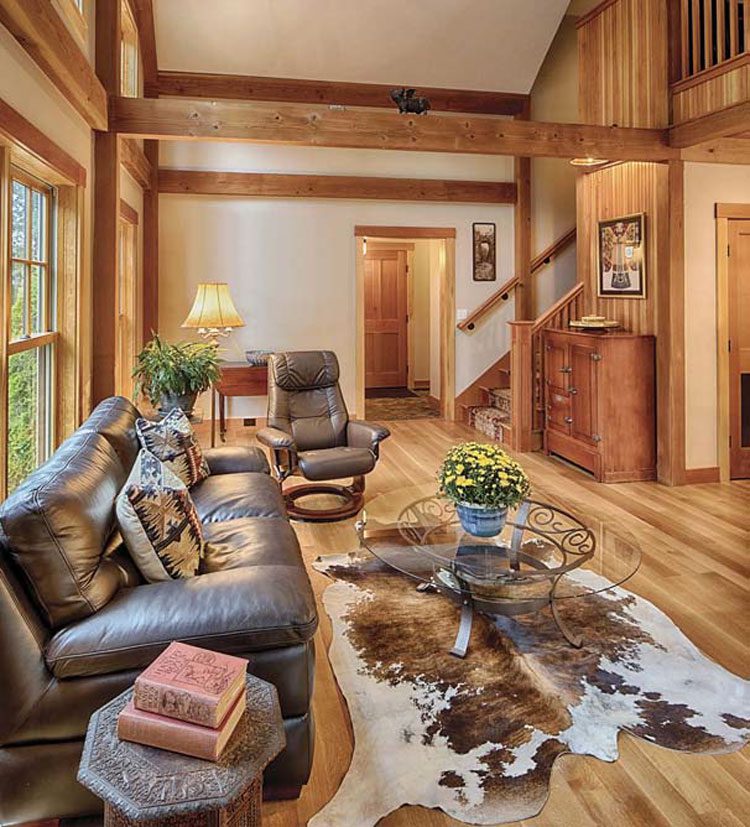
{"x": 596, "y": 438}
{"x": 569, "y": 420}
{"x": 566, "y": 370}
{"x": 597, "y": 357}
{"x": 574, "y": 391}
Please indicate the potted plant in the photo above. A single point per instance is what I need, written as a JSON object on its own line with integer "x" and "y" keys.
{"x": 483, "y": 482}
{"x": 172, "y": 375}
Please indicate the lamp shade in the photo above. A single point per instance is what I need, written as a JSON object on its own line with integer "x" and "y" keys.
{"x": 213, "y": 308}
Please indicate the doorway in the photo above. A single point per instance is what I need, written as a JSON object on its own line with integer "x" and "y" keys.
{"x": 734, "y": 340}
{"x": 405, "y": 309}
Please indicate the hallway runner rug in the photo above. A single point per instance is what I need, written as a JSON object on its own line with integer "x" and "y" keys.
{"x": 477, "y": 738}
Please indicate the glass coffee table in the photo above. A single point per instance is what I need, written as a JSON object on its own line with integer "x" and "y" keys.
{"x": 543, "y": 556}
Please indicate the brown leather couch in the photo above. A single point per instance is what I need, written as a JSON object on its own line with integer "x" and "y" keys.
{"x": 77, "y": 623}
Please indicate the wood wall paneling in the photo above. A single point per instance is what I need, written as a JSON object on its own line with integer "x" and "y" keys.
{"x": 274, "y": 185}
{"x": 316, "y": 125}
{"x": 41, "y": 31}
{"x": 623, "y": 64}
{"x": 248, "y": 88}
{"x": 714, "y": 89}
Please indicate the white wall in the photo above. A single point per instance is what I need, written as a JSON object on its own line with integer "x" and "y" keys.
{"x": 290, "y": 263}
{"x": 705, "y": 186}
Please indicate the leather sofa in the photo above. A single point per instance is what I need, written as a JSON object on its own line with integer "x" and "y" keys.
{"x": 252, "y": 598}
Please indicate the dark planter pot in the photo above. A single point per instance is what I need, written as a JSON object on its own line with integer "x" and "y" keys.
{"x": 183, "y": 401}
{"x": 480, "y": 520}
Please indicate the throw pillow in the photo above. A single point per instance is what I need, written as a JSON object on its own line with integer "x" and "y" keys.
{"x": 158, "y": 521}
{"x": 174, "y": 442}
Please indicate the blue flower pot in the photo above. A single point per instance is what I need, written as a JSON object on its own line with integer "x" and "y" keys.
{"x": 480, "y": 520}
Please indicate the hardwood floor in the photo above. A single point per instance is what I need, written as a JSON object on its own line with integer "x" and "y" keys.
{"x": 696, "y": 560}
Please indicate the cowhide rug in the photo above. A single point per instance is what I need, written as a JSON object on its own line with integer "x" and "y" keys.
{"x": 478, "y": 737}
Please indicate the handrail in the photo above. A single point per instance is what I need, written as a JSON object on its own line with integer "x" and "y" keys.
{"x": 709, "y": 34}
{"x": 554, "y": 250}
{"x": 503, "y": 294}
{"x": 553, "y": 310}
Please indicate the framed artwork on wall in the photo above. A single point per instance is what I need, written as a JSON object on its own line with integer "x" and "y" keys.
{"x": 622, "y": 257}
{"x": 484, "y": 247}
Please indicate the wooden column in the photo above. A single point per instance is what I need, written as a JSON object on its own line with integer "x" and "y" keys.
{"x": 670, "y": 341}
{"x": 106, "y": 209}
{"x": 151, "y": 245}
{"x": 521, "y": 386}
{"x": 522, "y": 229}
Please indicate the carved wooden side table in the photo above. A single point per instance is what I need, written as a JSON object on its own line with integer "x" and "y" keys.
{"x": 143, "y": 785}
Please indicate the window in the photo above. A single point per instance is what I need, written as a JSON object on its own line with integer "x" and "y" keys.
{"x": 127, "y": 288}
{"x": 31, "y": 329}
{"x": 129, "y": 54}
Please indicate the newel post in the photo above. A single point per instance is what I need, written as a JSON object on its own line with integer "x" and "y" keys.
{"x": 521, "y": 386}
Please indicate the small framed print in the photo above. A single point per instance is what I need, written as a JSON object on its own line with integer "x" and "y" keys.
{"x": 622, "y": 257}
{"x": 484, "y": 248}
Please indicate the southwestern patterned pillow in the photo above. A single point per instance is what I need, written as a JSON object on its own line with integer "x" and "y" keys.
{"x": 158, "y": 521}
{"x": 173, "y": 441}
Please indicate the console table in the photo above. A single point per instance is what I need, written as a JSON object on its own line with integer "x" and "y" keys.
{"x": 237, "y": 379}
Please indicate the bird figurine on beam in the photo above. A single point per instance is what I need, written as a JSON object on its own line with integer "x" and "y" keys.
{"x": 408, "y": 104}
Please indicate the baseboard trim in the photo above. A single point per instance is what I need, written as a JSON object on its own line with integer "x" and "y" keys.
{"x": 696, "y": 476}
{"x": 421, "y": 385}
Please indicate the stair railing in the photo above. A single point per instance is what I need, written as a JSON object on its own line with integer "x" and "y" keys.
{"x": 527, "y": 368}
{"x": 711, "y": 32}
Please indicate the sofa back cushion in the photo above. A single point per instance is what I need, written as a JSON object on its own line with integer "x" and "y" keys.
{"x": 114, "y": 419}
{"x": 57, "y": 523}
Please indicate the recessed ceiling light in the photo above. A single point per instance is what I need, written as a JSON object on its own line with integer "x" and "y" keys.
{"x": 588, "y": 162}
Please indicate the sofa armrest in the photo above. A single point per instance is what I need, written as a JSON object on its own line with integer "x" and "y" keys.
{"x": 276, "y": 439}
{"x": 236, "y": 459}
{"x": 234, "y": 611}
{"x": 361, "y": 434}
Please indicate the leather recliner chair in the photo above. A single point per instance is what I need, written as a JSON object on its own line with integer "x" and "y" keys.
{"x": 78, "y": 624}
{"x": 309, "y": 433}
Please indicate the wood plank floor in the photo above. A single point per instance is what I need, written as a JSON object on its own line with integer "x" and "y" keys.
{"x": 696, "y": 560}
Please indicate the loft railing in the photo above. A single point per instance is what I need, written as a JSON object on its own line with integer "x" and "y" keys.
{"x": 712, "y": 32}
{"x": 539, "y": 262}
{"x": 527, "y": 368}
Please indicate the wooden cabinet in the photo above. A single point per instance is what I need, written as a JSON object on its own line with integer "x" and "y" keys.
{"x": 600, "y": 403}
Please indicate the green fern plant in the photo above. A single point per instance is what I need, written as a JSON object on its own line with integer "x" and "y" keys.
{"x": 166, "y": 369}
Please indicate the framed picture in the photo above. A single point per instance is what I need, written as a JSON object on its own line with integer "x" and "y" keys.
{"x": 622, "y": 257}
{"x": 484, "y": 251}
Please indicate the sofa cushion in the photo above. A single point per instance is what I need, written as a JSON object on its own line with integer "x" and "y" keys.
{"x": 158, "y": 521}
{"x": 114, "y": 419}
{"x": 173, "y": 441}
{"x": 239, "y": 611}
{"x": 57, "y": 523}
{"x": 235, "y": 459}
{"x": 251, "y": 541}
{"x": 232, "y": 496}
{"x": 333, "y": 463}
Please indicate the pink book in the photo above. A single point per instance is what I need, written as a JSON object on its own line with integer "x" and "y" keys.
{"x": 191, "y": 684}
{"x": 178, "y": 736}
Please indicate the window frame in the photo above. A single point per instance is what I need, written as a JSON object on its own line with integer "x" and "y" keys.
{"x": 73, "y": 13}
{"x": 130, "y": 52}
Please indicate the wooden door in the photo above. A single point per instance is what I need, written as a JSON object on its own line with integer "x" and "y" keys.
{"x": 385, "y": 319}
{"x": 583, "y": 391}
{"x": 739, "y": 349}
{"x": 556, "y": 373}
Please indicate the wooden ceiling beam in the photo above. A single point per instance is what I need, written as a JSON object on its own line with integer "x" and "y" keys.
{"x": 316, "y": 125}
{"x": 289, "y": 90}
{"x": 38, "y": 27}
{"x": 723, "y": 151}
{"x": 133, "y": 158}
{"x": 272, "y": 185}
{"x": 143, "y": 11}
{"x": 722, "y": 124}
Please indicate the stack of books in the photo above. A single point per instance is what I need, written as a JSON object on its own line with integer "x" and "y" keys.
{"x": 189, "y": 701}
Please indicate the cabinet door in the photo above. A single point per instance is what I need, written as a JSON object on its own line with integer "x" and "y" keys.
{"x": 584, "y": 361}
{"x": 556, "y": 373}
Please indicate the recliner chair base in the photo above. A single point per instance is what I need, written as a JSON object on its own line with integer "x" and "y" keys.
{"x": 353, "y": 496}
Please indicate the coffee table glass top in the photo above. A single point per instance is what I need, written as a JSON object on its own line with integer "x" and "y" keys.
{"x": 544, "y": 552}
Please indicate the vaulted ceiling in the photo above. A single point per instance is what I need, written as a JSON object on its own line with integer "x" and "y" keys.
{"x": 465, "y": 44}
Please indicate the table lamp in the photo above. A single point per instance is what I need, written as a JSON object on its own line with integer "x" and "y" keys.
{"x": 213, "y": 312}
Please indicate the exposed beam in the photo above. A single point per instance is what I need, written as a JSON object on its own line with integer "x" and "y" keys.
{"x": 40, "y": 30}
{"x": 375, "y": 231}
{"x": 24, "y": 135}
{"x": 315, "y": 125}
{"x": 143, "y": 11}
{"x": 721, "y": 124}
{"x": 135, "y": 162}
{"x": 250, "y": 88}
{"x": 271, "y": 185}
{"x": 724, "y": 151}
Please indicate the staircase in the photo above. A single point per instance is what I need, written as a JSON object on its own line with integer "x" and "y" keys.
{"x": 488, "y": 403}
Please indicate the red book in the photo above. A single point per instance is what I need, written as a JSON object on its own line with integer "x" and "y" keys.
{"x": 178, "y": 736}
{"x": 191, "y": 684}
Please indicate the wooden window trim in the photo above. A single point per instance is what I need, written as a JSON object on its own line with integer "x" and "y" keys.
{"x": 129, "y": 39}
{"x": 74, "y": 17}
{"x": 127, "y": 213}
{"x": 38, "y": 340}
